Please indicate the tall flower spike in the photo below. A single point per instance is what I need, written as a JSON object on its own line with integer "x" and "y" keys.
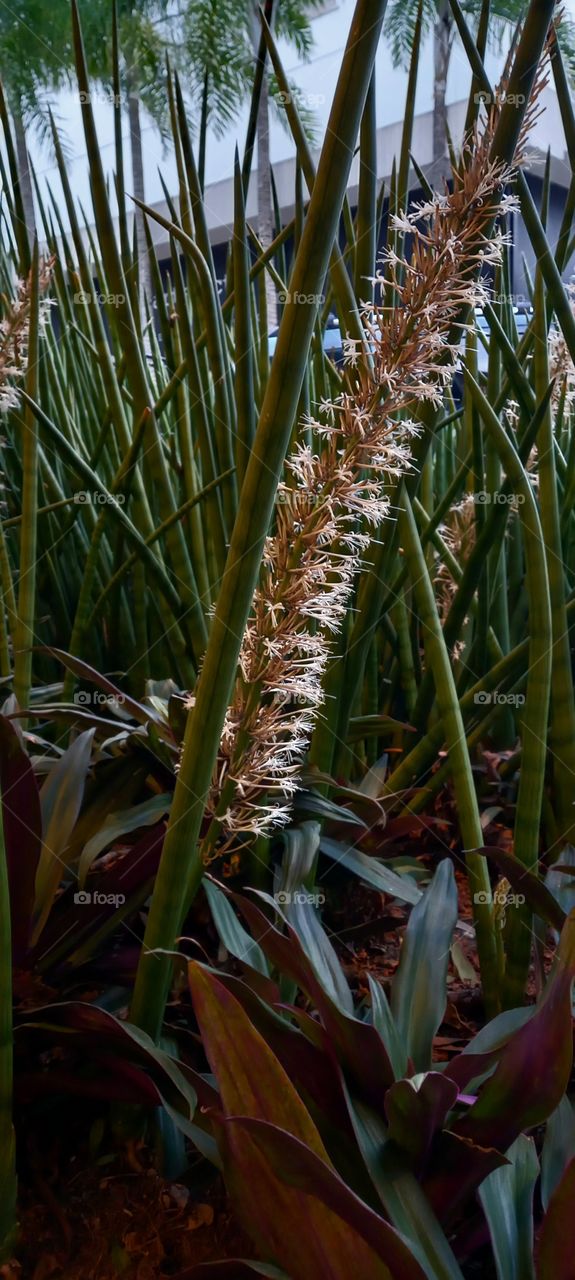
{"x": 334, "y": 497}
{"x": 14, "y": 328}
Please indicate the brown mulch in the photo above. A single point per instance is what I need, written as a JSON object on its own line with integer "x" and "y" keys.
{"x": 133, "y": 1225}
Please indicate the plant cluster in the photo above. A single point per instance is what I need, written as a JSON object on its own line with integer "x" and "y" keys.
{"x": 273, "y": 625}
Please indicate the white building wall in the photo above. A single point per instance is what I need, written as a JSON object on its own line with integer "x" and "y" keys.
{"x": 316, "y": 81}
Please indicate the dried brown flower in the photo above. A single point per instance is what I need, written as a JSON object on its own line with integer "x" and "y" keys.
{"x": 14, "y": 328}
{"x": 334, "y": 496}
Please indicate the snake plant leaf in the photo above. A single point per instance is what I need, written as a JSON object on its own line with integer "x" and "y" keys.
{"x": 22, "y": 823}
{"x": 358, "y": 1045}
{"x": 416, "y": 1109}
{"x": 534, "y": 1068}
{"x": 555, "y": 1257}
{"x": 558, "y": 1148}
{"x": 507, "y": 1201}
{"x": 418, "y": 995}
{"x": 375, "y": 726}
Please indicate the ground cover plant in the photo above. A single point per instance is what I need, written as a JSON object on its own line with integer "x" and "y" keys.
{"x": 287, "y": 734}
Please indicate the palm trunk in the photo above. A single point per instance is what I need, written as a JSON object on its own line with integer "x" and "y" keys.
{"x": 25, "y": 177}
{"x": 265, "y": 207}
{"x": 203, "y": 132}
{"x": 442, "y": 38}
{"x": 139, "y": 191}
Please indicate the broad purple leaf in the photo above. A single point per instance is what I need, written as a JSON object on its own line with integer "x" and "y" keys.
{"x": 334, "y": 1234}
{"x": 555, "y": 1261}
{"x": 358, "y": 1045}
{"x": 285, "y": 1207}
{"x": 535, "y": 1064}
{"x": 416, "y": 1109}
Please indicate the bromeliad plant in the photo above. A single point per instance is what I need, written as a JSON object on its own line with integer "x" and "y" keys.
{"x": 343, "y": 1143}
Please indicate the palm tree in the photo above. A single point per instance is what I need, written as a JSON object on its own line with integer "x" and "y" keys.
{"x": 146, "y": 32}
{"x": 221, "y": 43}
{"x": 37, "y": 59}
{"x": 437, "y": 16}
{"x": 33, "y": 62}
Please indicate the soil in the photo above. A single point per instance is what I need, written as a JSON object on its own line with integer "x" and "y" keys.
{"x": 132, "y": 1225}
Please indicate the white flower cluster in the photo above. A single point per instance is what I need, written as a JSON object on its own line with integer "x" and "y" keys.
{"x": 334, "y": 495}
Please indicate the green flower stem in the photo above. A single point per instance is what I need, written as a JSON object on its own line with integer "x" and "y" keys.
{"x": 181, "y": 866}
{"x": 24, "y": 635}
{"x": 439, "y": 661}
{"x": 535, "y": 713}
{"x": 562, "y": 721}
